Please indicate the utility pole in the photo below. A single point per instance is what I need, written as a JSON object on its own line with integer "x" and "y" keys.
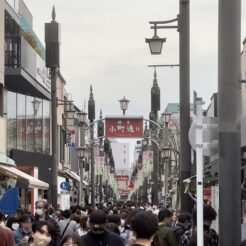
{"x": 229, "y": 122}
{"x": 52, "y": 41}
{"x": 184, "y": 94}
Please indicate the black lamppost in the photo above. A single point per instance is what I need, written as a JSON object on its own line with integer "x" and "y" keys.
{"x": 52, "y": 41}
{"x": 155, "y": 107}
{"x": 183, "y": 27}
{"x": 91, "y": 116}
{"x": 81, "y": 150}
{"x": 124, "y": 104}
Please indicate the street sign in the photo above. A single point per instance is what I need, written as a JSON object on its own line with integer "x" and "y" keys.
{"x": 210, "y": 135}
{"x": 65, "y": 186}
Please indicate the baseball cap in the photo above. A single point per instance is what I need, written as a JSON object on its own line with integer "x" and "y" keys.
{"x": 97, "y": 219}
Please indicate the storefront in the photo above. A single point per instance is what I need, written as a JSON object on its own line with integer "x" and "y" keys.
{"x": 14, "y": 183}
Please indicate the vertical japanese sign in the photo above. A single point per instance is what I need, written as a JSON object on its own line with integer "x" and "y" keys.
{"x": 123, "y": 127}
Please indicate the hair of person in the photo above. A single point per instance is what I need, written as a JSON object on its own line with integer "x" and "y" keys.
{"x": 25, "y": 218}
{"x": 38, "y": 227}
{"x": 164, "y": 213}
{"x": 144, "y": 224}
{"x": 130, "y": 216}
{"x": 208, "y": 213}
{"x": 45, "y": 204}
{"x": 76, "y": 218}
{"x": 73, "y": 209}
{"x": 66, "y": 213}
{"x": 83, "y": 222}
{"x": 19, "y": 211}
{"x": 51, "y": 210}
{"x": 11, "y": 220}
{"x": 183, "y": 217}
{"x": 112, "y": 227}
{"x": 114, "y": 219}
{"x": 124, "y": 214}
{"x": 2, "y": 216}
{"x": 67, "y": 237}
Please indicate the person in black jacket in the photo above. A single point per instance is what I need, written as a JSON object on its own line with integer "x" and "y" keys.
{"x": 98, "y": 234}
{"x": 42, "y": 214}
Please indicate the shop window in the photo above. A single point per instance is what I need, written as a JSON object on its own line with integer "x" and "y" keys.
{"x": 11, "y": 120}
{"x": 46, "y": 127}
{"x": 29, "y": 123}
{"x": 38, "y": 115}
{"x": 21, "y": 121}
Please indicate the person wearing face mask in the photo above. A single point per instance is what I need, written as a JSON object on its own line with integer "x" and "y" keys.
{"x": 42, "y": 215}
{"x": 12, "y": 223}
{"x": 22, "y": 234}
{"x": 43, "y": 234}
{"x": 6, "y": 237}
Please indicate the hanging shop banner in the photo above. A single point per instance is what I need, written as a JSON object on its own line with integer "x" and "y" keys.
{"x": 122, "y": 177}
{"x": 124, "y": 127}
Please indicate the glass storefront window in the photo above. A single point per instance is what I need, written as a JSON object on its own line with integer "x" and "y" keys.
{"x": 21, "y": 122}
{"x": 38, "y": 113}
{"x": 29, "y": 124}
{"x": 46, "y": 127}
{"x": 11, "y": 121}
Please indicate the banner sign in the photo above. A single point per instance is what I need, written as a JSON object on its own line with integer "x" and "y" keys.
{"x": 124, "y": 127}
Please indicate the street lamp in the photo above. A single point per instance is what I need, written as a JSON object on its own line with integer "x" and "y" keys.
{"x": 52, "y": 41}
{"x": 166, "y": 154}
{"x": 183, "y": 27}
{"x": 166, "y": 117}
{"x": 124, "y": 104}
{"x": 155, "y": 44}
{"x": 81, "y": 151}
{"x": 36, "y": 105}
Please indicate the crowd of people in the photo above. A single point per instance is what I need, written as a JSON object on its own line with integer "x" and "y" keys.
{"x": 119, "y": 224}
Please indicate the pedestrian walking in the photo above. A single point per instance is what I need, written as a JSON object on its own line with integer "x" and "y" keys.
{"x": 98, "y": 234}
{"x": 6, "y": 237}
{"x": 144, "y": 225}
{"x": 165, "y": 236}
{"x": 23, "y": 233}
{"x": 42, "y": 215}
{"x": 210, "y": 235}
{"x": 67, "y": 226}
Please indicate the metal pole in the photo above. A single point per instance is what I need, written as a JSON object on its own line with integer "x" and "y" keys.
{"x": 92, "y": 168}
{"x": 229, "y": 122}
{"x": 166, "y": 173}
{"x": 199, "y": 173}
{"x": 184, "y": 86}
{"x": 54, "y": 138}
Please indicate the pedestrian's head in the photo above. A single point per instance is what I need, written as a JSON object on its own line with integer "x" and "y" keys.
{"x": 43, "y": 233}
{"x": 66, "y": 213}
{"x": 165, "y": 216}
{"x": 69, "y": 240}
{"x": 41, "y": 208}
{"x": 83, "y": 222}
{"x": 110, "y": 226}
{"x": 185, "y": 219}
{"x": 19, "y": 212}
{"x": 209, "y": 214}
{"x": 114, "y": 219}
{"x": 2, "y": 216}
{"x": 144, "y": 225}
{"x": 12, "y": 223}
{"x": 26, "y": 223}
{"x": 97, "y": 221}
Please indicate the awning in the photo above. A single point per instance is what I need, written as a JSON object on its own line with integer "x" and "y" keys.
{"x": 23, "y": 177}
{"x": 72, "y": 175}
{"x": 75, "y": 176}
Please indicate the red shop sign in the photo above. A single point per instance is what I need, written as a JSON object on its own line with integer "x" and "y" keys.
{"x": 124, "y": 127}
{"x": 122, "y": 178}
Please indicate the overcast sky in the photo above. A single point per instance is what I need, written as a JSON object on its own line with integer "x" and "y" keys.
{"x": 103, "y": 44}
